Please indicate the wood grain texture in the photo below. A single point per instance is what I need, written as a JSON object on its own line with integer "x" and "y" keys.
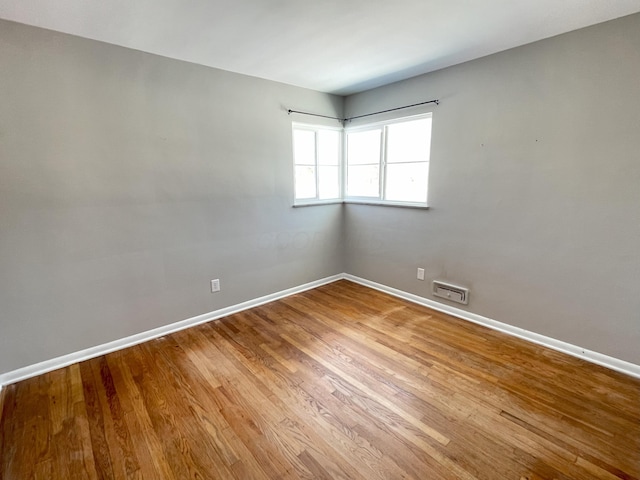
{"x": 337, "y": 382}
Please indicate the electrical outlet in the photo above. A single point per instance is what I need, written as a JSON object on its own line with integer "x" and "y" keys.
{"x": 215, "y": 285}
{"x": 421, "y": 274}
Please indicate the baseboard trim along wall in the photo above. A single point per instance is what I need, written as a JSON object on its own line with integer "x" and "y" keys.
{"x": 612, "y": 363}
{"x": 89, "y": 353}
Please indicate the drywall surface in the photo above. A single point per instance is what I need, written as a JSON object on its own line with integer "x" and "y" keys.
{"x": 534, "y": 189}
{"x": 128, "y": 181}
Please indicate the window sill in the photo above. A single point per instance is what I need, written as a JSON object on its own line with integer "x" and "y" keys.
{"x": 317, "y": 203}
{"x": 419, "y": 206}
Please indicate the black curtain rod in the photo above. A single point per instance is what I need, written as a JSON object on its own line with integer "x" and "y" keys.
{"x": 344, "y": 120}
{"x": 314, "y": 115}
{"x": 437, "y": 102}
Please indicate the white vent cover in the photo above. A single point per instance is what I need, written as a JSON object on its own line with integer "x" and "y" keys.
{"x": 454, "y": 293}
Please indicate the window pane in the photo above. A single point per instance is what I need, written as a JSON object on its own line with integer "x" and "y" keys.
{"x": 304, "y": 147}
{"x": 407, "y": 182}
{"x": 328, "y": 147}
{"x": 363, "y": 147}
{"x": 363, "y": 181}
{"x": 328, "y": 182}
{"x": 305, "y": 182}
{"x": 409, "y": 141}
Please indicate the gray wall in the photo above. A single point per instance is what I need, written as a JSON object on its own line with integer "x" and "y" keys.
{"x": 534, "y": 189}
{"x": 128, "y": 181}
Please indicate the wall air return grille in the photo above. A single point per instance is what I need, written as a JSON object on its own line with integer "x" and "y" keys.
{"x": 454, "y": 293}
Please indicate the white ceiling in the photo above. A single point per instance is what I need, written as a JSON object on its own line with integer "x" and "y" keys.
{"x": 337, "y": 46}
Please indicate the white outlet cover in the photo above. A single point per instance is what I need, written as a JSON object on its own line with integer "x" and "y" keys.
{"x": 421, "y": 274}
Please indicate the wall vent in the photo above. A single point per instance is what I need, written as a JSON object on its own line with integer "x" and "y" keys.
{"x": 454, "y": 293}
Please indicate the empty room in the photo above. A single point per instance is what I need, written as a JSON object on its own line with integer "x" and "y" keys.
{"x": 320, "y": 240}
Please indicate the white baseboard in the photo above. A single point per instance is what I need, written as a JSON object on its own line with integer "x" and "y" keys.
{"x": 573, "y": 350}
{"x": 89, "y": 353}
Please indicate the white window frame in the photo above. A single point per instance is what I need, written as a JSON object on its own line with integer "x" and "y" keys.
{"x": 343, "y": 164}
{"x": 380, "y": 200}
{"x": 317, "y": 201}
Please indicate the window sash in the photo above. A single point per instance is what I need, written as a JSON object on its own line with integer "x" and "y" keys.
{"x": 383, "y": 127}
{"x": 321, "y": 164}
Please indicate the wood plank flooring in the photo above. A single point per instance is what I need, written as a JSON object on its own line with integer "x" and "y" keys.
{"x": 340, "y": 382}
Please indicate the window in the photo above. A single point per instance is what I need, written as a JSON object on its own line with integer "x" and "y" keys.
{"x": 388, "y": 163}
{"x": 316, "y": 157}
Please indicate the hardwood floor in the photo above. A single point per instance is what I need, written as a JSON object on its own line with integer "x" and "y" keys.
{"x": 337, "y": 382}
